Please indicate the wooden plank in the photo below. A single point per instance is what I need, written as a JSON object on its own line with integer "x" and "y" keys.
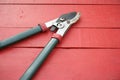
{"x": 97, "y": 16}
{"x": 61, "y": 1}
{"x": 76, "y": 37}
{"x": 62, "y": 64}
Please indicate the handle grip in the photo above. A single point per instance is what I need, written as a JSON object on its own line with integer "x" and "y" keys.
{"x": 20, "y": 36}
{"x": 39, "y": 60}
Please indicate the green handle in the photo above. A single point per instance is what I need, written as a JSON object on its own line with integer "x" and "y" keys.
{"x": 20, "y": 36}
{"x": 39, "y": 60}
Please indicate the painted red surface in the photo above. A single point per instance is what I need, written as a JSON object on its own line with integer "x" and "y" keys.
{"x": 102, "y": 38}
{"x": 89, "y": 51}
{"x": 102, "y": 16}
{"x": 60, "y": 1}
{"x": 63, "y": 64}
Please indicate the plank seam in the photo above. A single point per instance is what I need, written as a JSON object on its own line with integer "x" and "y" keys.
{"x": 52, "y": 4}
{"x": 73, "y": 47}
{"x": 73, "y": 27}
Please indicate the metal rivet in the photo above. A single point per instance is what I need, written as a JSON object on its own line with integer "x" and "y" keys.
{"x": 60, "y": 25}
{"x": 62, "y": 19}
{"x": 68, "y": 22}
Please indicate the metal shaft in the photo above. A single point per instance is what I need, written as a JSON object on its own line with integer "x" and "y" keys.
{"x": 20, "y": 36}
{"x": 39, "y": 60}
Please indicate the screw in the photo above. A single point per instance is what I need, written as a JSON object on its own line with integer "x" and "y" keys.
{"x": 60, "y": 25}
{"x": 62, "y": 19}
{"x": 68, "y": 22}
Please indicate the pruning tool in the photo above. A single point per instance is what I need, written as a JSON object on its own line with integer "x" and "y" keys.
{"x": 60, "y": 25}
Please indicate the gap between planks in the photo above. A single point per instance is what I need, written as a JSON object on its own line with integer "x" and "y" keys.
{"x": 73, "y": 27}
{"x": 69, "y": 47}
{"x": 51, "y": 4}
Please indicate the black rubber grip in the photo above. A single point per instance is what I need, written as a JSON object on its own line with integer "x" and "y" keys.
{"x": 20, "y": 36}
{"x": 39, "y": 60}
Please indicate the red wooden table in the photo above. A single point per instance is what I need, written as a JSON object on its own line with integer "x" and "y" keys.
{"x": 89, "y": 51}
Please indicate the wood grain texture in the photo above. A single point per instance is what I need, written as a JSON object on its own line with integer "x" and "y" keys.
{"x": 89, "y": 51}
{"x": 97, "y": 16}
{"x": 62, "y": 64}
{"x": 61, "y": 1}
{"x": 75, "y": 38}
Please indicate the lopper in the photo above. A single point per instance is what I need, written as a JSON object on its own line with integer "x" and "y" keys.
{"x": 60, "y": 25}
